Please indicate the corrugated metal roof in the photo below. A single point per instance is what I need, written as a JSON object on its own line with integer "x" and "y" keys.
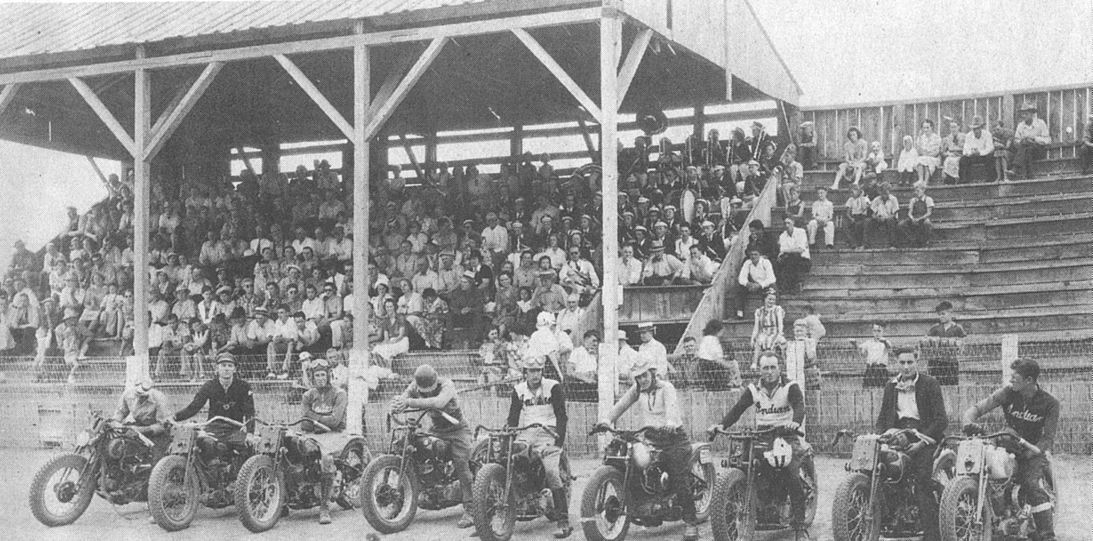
{"x": 41, "y": 28}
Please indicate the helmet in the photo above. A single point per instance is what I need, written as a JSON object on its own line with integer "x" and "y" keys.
{"x": 225, "y": 358}
{"x": 779, "y": 454}
{"x": 320, "y": 365}
{"x": 641, "y": 366}
{"x": 534, "y": 362}
{"x": 425, "y": 377}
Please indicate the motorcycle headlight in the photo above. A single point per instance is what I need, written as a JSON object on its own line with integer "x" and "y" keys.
{"x": 83, "y": 438}
{"x": 642, "y": 455}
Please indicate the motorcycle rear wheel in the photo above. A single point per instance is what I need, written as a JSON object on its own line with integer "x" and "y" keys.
{"x": 71, "y": 491}
{"x": 849, "y": 509}
{"x": 355, "y": 457}
{"x": 403, "y": 495}
{"x": 957, "y": 512}
{"x": 708, "y": 474}
{"x": 171, "y": 501}
{"x": 808, "y": 475}
{"x": 494, "y": 510}
{"x": 259, "y": 494}
{"x": 727, "y": 508}
{"x": 603, "y": 514}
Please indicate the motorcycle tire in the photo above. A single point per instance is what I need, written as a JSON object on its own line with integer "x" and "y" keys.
{"x": 408, "y": 490}
{"x": 80, "y": 498}
{"x": 165, "y": 486}
{"x": 354, "y": 458}
{"x": 808, "y": 475}
{"x": 849, "y": 507}
{"x": 592, "y": 506}
{"x": 727, "y": 505}
{"x": 489, "y": 484}
{"x": 708, "y": 473}
{"x": 956, "y": 523}
{"x": 259, "y": 480}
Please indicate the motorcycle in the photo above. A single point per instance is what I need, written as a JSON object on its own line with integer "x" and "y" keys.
{"x": 632, "y": 487}
{"x": 198, "y": 469}
{"x": 740, "y": 507}
{"x": 284, "y": 471}
{"x": 511, "y": 484}
{"x": 417, "y": 471}
{"x": 984, "y": 499}
{"x": 111, "y": 459}
{"x": 877, "y": 499}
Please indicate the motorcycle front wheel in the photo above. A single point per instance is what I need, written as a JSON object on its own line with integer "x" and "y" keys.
{"x": 603, "y": 506}
{"x": 957, "y": 512}
{"x": 388, "y": 495}
{"x": 494, "y": 507}
{"x": 705, "y": 479}
{"x": 355, "y": 457}
{"x": 61, "y": 490}
{"x": 727, "y": 519}
{"x": 812, "y": 489}
{"x": 172, "y": 500}
{"x": 259, "y": 493}
{"x": 848, "y": 511}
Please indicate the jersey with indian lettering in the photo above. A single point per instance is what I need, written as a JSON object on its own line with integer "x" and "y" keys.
{"x": 537, "y": 407}
{"x": 1027, "y": 416}
{"x": 772, "y": 408}
{"x": 440, "y": 417}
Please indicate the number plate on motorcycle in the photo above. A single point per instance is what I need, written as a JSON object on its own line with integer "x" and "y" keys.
{"x": 864, "y": 455}
{"x": 704, "y": 456}
{"x": 182, "y": 440}
{"x": 269, "y": 439}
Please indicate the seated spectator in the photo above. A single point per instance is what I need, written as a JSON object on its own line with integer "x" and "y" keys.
{"x": 660, "y": 268}
{"x": 882, "y": 220}
{"x": 952, "y": 147}
{"x": 506, "y": 311}
{"x": 928, "y": 146}
{"x": 794, "y": 207}
{"x": 629, "y": 267}
{"x": 716, "y": 371}
{"x": 713, "y": 241}
{"x": 73, "y": 342}
{"x": 1030, "y": 140}
{"x": 916, "y": 227}
{"x": 699, "y": 268}
{"x": 908, "y": 161}
{"x": 854, "y": 155}
{"x": 801, "y": 357}
{"x": 570, "y": 317}
{"x": 396, "y": 338}
{"x": 195, "y": 349}
{"x": 172, "y": 337}
{"x": 875, "y": 353}
{"x": 794, "y": 259}
{"x": 578, "y": 276}
{"x": 978, "y": 150}
{"x": 1003, "y": 149}
{"x": 436, "y": 319}
{"x": 756, "y": 276}
{"x": 767, "y": 331}
{"x": 549, "y": 296}
{"x": 823, "y": 218}
{"x": 468, "y": 307}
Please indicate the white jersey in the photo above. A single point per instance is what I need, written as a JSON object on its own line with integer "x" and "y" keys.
{"x": 774, "y": 408}
{"x": 536, "y": 404}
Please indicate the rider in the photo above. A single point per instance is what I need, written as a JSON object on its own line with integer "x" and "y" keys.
{"x": 228, "y": 396}
{"x": 438, "y": 395}
{"x": 914, "y": 400}
{"x": 658, "y": 407}
{"x": 1033, "y": 414}
{"x": 145, "y": 409}
{"x": 325, "y": 403}
{"x": 541, "y": 400}
{"x": 778, "y": 402}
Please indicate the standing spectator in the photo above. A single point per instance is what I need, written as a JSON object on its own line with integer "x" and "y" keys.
{"x": 801, "y": 357}
{"x": 928, "y": 146}
{"x": 854, "y": 154}
{"x": 952, "y": 148}
{"x": 468, "y": 307}
{"x": 978, "y": 149}
{"x": 1003, "y": 153}
{"x": 883, "y": 211}
{"x": 916, "y": 227}
{"x": 583, "y": 379}
{"x": 194, "y": 351}
{"x": 908, "y": 161}
{"x": 794, "y": 259}
{"x": 823, "y": 217}
{"x": 1030, "y": 140}
{"x": 858, "y": 208}
{"x": 172, "y": 337}
{"x": 767, "y": 332}
{"x": 816, "y": 329}
{"x": 688, "y": 373}
{"x": 943, "y": 344}
{"x": 717, "y": 371}
{"x": 653, "y": 350}
{"x": 875, "y": 352}
{"x": 756, "y": 275}
{"x": 72, "y": 341}
{"x": 875, "y": 164}
{"x": 806, "y": 144}
{"x": 1086, "y": 149}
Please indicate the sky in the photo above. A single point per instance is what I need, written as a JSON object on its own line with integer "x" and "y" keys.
{"x": 840, "y": 51}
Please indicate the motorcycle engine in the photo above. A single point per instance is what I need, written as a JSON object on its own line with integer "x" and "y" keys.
{"x": 893, "y": 465}
{"x": 654, "y": 480}
{"x": 120, "y": 449}
{"x": 1001, "y": 463}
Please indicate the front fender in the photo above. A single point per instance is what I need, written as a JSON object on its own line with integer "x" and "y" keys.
{"x": 701, "y": 453}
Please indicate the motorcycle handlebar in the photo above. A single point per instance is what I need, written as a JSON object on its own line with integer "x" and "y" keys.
{"x": 996, "y": 435}
{"x": 722, "y": 431}
{"x": 515, "y": 429}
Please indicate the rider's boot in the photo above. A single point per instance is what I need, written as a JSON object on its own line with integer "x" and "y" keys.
{"x": 561, "y": 507}
{"x": 690, "y": 533}
{"x": 467, "y": 520}
{"x": 326, "y": 485}
{"x": 1045, "y": 525}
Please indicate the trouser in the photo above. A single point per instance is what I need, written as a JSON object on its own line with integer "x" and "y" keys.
{"x": 789, "y": 478}
{"x": 543, "y": 445}
{"x": 282, "y": 348}
{"x": 193, "y": 363}
{"x": 331, "y": 445}
{"x": 884, "y": 227}
{"x": 922, "y": 470}
{"x": 1030, "y": 474}
{"x": 676, "y": 460}
{"x": 790, "y": 268}
{"x": 1085, "y": 152}
{"x": 1023, "y": 156}
{"x": 967, "y": 162}
{"x": 829, "y": 231}
{"x": 739, "y": 295}
{"x": 163, "y": 357}
{"x": 459, "y": 442}
{"x": 856, "y": 231}
{"x": 916, "y": 233}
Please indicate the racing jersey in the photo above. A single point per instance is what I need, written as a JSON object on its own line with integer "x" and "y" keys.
{"x": 1034, "y": 418}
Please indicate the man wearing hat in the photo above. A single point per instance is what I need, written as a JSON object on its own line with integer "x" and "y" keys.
{"x": 439, "y": 396}
{"x": 569, "y": 318}
{"x": 652, "y": 349}
{"x": 758, "y": 140}
{"x": 660, "y": 268}
{"x": 978, "y": 150}
{"x": 227, "y": 396}
{"x": 1029, "y": 140}
{"x": 549, "y": 296}
{"x": 658, "y": 407}
{"x": 468, "y": 305}
{"x": 495, "y": 240}
{"x": 325, "y": 404}
{"x": 540, "y": 400}
{"x": 577, "y": 274}
{"x": 449, "y": 274}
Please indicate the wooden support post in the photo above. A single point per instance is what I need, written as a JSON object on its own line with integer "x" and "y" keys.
{"x": 246, "y": 160}
{"x": 173, "y": 116}
{"x": 559, "y": 72}
{"x": 383, "y": 111}
{"x": 358, "y": 356}
{"x": 516, "y": 143}
{"x": 105, "y": 115}
{"x": 633, "y": 60}
{"x": 142, "y": 198}
{"x": 410, "y": 155}
{"x": 98, "y": 171}
{"x": 587, "y": 139}
{"x": 7, "y": 95}
{"x": 700, "y": 122}
{"x": 315, "y": 94}
{"x": 610, "y": 41}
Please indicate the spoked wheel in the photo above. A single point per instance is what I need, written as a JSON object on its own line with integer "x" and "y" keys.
{"x": 59, "y": 493}
{"x": 172, "y": 499}
{"x": 727, "y": 519}
{"x": 355, "y": 457}
{"x": 494, "y": 507}
{"x": 849, "y": 510}
{"x": 259, "y": 494}
{"x": 603, "y": 506}
{"x": 388, "y": 495}
{"x": 812, "y": 490}
{"x": 959, "y": 505}
{"x": 705, "y": 478}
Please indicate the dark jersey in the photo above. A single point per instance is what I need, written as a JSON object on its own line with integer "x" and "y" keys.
{"x": 236, "y": 402}
{"x": 1033, "y": 418}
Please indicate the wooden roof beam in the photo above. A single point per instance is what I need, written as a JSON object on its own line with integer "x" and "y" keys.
{"x": 315, "y": 94}
{"x": 633, "y": 60}
{"x": 558, "y": 72}
{"x": 105, "y": 115}
{"x": 7, "y": 95}
{"x": 387, "y": 108}
{"x": 172, "y": 117}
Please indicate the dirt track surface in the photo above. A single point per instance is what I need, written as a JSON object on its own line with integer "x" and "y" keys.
{"x": 1074, "y": 522}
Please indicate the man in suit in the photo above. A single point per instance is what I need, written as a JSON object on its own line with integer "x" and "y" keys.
{"x": 913, "y": 400}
